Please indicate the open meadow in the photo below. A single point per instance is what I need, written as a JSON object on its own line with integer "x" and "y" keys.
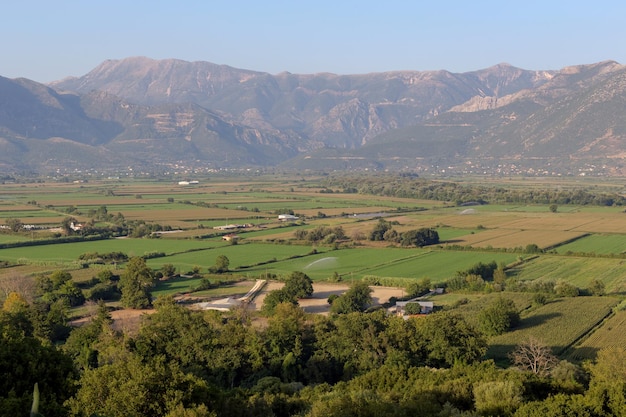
{"x": 185, "y": 226}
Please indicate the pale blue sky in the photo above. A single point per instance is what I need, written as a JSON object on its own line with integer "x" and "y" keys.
{"x": 47, "y": 40}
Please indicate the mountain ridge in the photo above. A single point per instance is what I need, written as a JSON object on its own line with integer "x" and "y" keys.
{"x": 160, "y": 112}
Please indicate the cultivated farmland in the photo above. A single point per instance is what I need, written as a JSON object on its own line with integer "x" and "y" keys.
{"x": 558, "y": 324}
{"x": 611, "y": 334}
{"x": 576, "y": 244}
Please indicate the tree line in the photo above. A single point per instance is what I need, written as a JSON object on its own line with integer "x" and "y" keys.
{"x": 460, "y": 194}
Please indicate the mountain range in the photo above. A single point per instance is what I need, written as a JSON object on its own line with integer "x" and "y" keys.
{"x": 150, "y": 114}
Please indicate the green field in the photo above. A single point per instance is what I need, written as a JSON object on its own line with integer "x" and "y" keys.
{"x": 400, "y": 263}
{"x": 579, "y": 271}
{"x": 68, "y": 252}
{"x": 438, "y": 265}
{"x": 24, "y": 215}
{"x": 8, "y": 238}
{"x": 601, "y": 244}
{"x": 239, "y": 256}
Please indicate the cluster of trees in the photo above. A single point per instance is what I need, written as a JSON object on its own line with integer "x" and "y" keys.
{"x": 14, "y": 224}
{"x": 499, "y": 317}
{"x": 384, "y": 231}
{"x": 136, "y": 283}
{"x": 59, "y": 286}
{"x": 109, "y": 257}
{"x": 297, "y": 285}
{"x": 104, "y": 223}
{"x": 491, "y": 277}
{"x": 321, "y": 234}
{"x": 188, "y": 363}
{"x": 357, "y": 299}
{"x": 353, "y": 362}
{"x": 480, "y": 277}
{"x": 103, "y": 287}
{"x": 182, "y": 362}
{"x": 411, "y": 187}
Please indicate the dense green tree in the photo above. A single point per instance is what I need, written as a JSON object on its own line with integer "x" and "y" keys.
{"x": 417, "y": 288}
{"x": 298, "y": 285}
{"x": 419, "y": 238}
{"x": 274, "y": 298}
{"x": 168, "y": 270}
{"x": 135, "y": 284}
{"x": 357, "y": 298}
{"x": 66, "y": 225}
{"x": 484, "y": 270}
{"x": 412, "y": 308}
{"x": 48, "y": 285}
{"x": 498, "y": 398}
{"x": 607, "y": 387}
{"x": 178, "y": 334}
{"x": 59, "y": 278}
{"x": 499, "y": 276}
{"x": 50, "y": 320}
{"x": 446, "y": 338}
{"x": 72, "y": 293}
{"x": 222, "y": 349}
{"x": 378, "y": 233}
{"x": 103, "y": 291}
{"x": 81, "y": 343}
{"x": 500, "y": 316}
{"x": 285, "y": 337}
{"x": 532, "y": 248}
{"x": 398, "y": 186}
{"x": 133, "y": 387}
{"x": 194, "y": 411}
{"x": 392, "y": 236}
{"x": 105, "y": 276}
{"x": 24, "y": 361}
{"x": 221, "y": 264}
{"x": 560, "y": 405}
{"x": 351, "y": 344}
{"x": 565, "y": 289}
{"x": 240, "y": 350}
{"x": 596, "y": 287}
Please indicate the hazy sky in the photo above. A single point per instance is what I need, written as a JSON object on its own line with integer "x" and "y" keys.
{"x": 47, "y": 40}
